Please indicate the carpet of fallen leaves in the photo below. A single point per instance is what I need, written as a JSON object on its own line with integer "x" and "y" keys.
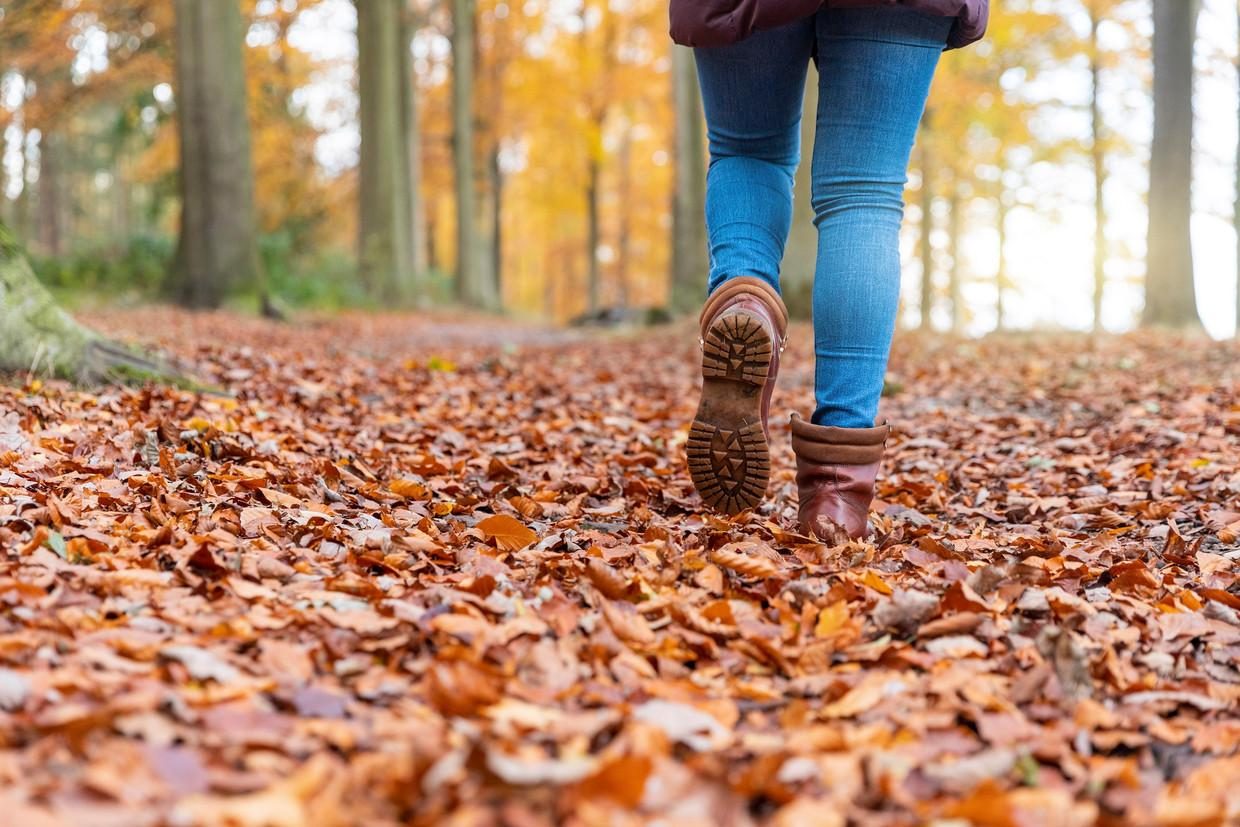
{"x": 434, "y": 570}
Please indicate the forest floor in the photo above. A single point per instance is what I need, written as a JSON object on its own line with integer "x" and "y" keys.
{"x": 424, "y": 570}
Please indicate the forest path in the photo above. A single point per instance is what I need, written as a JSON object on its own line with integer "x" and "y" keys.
{"x": 420, "y": 566}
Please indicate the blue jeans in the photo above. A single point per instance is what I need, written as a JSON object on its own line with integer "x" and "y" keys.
{"x": 875, "y": 67}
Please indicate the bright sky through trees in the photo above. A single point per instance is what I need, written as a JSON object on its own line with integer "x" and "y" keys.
{"x": 1050, "y": 239}
{"x": 1050, "y": 254}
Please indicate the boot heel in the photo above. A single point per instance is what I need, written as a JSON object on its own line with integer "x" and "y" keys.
{"x": 729, "y": 459}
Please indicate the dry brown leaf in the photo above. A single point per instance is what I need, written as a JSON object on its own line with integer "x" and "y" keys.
{"x": 509, "y": 533}
{"x": 732, "y": 557}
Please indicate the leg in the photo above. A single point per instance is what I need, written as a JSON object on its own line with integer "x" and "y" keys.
{"x": 875, "y": 70}
{"x": 752, "y": 93}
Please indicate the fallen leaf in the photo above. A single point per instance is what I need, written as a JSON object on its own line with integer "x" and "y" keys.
{"x": 508, "y": 533}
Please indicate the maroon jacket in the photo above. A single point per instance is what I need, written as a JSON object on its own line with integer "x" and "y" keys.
{"x": 720, "y": 22}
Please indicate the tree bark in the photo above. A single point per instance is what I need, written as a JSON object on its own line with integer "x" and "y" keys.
{"x": 38, "y": 337}
{"x": 1236, "y": 209}
{"x": 413, "y": 142}
{"x": 497, "y": 223}
{"x": 690, "y": 257}
{"x": 956, "y": 273}
{"x": 593, "y": 233}
{"x": 801, "y": 256}
{"x": 1001, "y": 271}
{"x": 21, "y": 210}
{"x": 624, "y": 230}
{"x": 385, "y": 201}
{"x": 218, "y": 244}
{"x": 472, "y": 285}
{"x": 1098, "y": 161}
{"x": 51, "y": 194}
{"x": 1170, "y": 297}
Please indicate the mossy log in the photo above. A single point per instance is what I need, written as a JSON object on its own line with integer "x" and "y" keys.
{"x": 37, "y": 337}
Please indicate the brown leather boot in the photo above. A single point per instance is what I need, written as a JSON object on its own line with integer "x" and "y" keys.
{"x": 744, "y": 325}
{"x": 836, "y": 468}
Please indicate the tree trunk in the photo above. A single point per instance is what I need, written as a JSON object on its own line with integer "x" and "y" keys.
{"x": 801, "y": 256}
{"x": 218, "y": 244}
{"x": 1170, "y": 297}
{"x": 51, "y": 194}
{"x": 1236, "y": 209}
{"x": 954, "y": 221}
{"x": 925, "y": 240}
{"x": 22, "y": 208}
{"x": 413, "y": 142}
{"x": 472, "y": 285}
{"x": 1001, "y": 275}
{"x": 1098, "y": 160}
{"x": 624, "y": 232}
{"x": 385, "y": 222}
{"x": 690, "y": 257}
{"x": 38, "y": 337}
{"x": 497, "y": 224}
{"x": 593, "y": 233}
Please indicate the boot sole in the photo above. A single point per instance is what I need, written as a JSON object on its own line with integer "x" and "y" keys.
{"x": 729, "y": 459}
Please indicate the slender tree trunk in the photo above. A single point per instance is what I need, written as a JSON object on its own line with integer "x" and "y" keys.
{"x": 472, "y": 285}
{"x": 1001, "y": 274}
{"x": 593, "y": 233}
{"x": 801, "y": 256}
{"x": 218, "y": 244}
{"x": 433, "y": 260}
{"x": 21, "y": 209}
{"x": 925, "y": 239}
{"x": 413, "y": 141}
{"x": 385, "y": 223}
{"x": 624, "y": 232}
{"x": 122, "y": 197}
{"x": 496, "y": 172}
{"x": 1170, "y": 297}
{"x": 8, "y": 207}
{"x": 1098, "y": 160}
{"x": 956, "y": 273}
{"x": 51, "y": 194}
{"x": 485, "y": 142}
{"x": 690, "y": 258}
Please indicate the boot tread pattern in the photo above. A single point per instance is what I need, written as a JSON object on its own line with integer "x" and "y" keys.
{"x": 730, "y": 469}
{"x": 737, "y": 347}
{"x": 729, "y": 460}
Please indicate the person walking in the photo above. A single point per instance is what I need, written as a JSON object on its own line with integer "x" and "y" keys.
{"x": 875, "y": 59}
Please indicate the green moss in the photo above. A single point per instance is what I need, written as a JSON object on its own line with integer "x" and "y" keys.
{"x": 8, "y": 243}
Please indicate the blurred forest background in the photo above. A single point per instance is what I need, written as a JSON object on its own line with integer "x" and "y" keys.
{"x": 546, "y": 158}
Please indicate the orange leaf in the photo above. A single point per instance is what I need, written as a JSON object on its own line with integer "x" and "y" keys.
{"x": 409, "y": 489}
{"x": 509, "y": 533}
{"x": 622, "y": 780}
{"x": 831, "y": 619}
{"x": 875, "y": 582}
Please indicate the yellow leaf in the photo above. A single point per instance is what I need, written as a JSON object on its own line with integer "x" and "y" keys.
{"x": 509, "y": 533}
{"x": 438, "y": 363}
{"x": 831, "y": 619}
{"x": 410, "y": 489}
{"x": 875, "y": 582}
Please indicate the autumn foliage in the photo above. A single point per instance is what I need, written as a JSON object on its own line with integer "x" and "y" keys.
{"x": 422, "y": 571}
